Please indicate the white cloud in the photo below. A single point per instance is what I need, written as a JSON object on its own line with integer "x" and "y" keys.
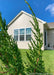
{"x": 50, "y": 8}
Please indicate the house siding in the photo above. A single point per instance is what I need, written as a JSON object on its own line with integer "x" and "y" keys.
{"x": 51, "y": 38}
{"x": 23, "y": 22}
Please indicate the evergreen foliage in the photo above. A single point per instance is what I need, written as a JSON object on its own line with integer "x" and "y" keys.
{"x": 35, "y": 55}
{"x": 9, "y": 52}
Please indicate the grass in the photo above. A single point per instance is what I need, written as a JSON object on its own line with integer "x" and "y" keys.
{"x": 48, "y": 57}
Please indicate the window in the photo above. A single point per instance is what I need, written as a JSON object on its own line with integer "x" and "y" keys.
{"x": 28, "y": 34}
{"x": 45, "y": 37}
{"x": 16, "y": 34}
{"x": 22, "y": 33}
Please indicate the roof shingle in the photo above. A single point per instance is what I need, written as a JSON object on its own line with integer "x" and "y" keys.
{"x": 51, "y": 25}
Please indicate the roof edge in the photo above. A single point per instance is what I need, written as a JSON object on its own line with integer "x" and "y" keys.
{"x": 26, "y": 14}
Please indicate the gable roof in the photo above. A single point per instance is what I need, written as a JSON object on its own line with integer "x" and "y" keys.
{"x": 23, "y": 12}
{"x": 51, "y": 25}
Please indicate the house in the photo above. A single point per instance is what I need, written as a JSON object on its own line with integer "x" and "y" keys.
{"x": 50, "y": 36}
{"x": 20, "y": 29}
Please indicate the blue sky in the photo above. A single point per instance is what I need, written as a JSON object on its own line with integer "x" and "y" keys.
{"x": 44, "y": 9}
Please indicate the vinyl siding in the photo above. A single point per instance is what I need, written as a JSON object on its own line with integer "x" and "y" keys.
{"x": 51, "y": 37}
{"x": 23, "y": 22}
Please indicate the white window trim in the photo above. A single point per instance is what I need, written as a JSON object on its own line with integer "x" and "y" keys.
{"x": 24, "y": 34}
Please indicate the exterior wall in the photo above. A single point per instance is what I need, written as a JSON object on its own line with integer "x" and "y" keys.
{"x": 23, "y": 22}
{"x": 51, "y": 38}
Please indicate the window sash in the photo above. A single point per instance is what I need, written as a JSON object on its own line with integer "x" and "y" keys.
{"x": 16, "y": 38}
{"x": 28, "y": 37}
{"x": 21, "y": 37}
{"x": 22, "y": 31}
{"x": 28, "y": 31}
{"x": 16, "y": 34}
{"x": 28, "y": 34}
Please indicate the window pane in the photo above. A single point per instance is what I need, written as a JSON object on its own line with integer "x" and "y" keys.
{"x": 21, "y": 31}
{"x": 16, "y": 38}
{"x": 28, "y": 37}
{"x": 21, "y": 37}
{"x": 28, "y": 31}
{"x": 16, "y": 34}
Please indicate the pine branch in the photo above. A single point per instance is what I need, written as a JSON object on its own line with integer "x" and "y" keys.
{"x": 35, "y": 54}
